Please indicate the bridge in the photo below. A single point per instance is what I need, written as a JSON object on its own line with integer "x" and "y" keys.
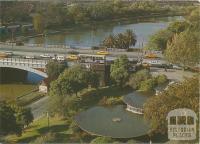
{"x": 31, "y": 65}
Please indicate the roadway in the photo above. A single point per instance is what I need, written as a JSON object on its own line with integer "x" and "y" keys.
{"x": 36, "y": 51}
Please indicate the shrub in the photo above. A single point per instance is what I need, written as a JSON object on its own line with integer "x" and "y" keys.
{"x": 147, "y": 85}
{"x": 160, "y": 79}
{"x": 135, "y": 79}
{"x": 110, "y": 101}
{"x": 49, "y": 137}
{"x": 100, "y": 140}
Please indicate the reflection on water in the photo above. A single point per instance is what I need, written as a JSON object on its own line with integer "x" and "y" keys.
{"x": 93, "y": 35}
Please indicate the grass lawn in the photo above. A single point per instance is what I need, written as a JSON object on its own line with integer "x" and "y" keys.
{"x": 39, "y": 128}
{"x": 88, "y": 99}
{"x": 9, "y": 92}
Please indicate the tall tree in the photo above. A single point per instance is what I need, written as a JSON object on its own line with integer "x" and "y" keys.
{"x": 159, "y": 40}
{"x": 109, "y": 42}
{"x": 8, "y": 122}
{"x": 119, "y": 70}
{"x": 130, "y": 38}
{"x": 55, "y": 68}
{"x": 183, "y": 49}
{"x": 182, "y": 95}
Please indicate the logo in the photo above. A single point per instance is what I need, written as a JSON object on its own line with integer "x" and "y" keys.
{"x": 182, "y": 124}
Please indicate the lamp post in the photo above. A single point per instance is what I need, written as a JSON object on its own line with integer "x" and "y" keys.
{"x": 48, "y": 119}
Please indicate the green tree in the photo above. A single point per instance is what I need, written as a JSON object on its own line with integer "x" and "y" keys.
{"x": 136, "y": 78}
{"x": 130, "y": 38}
{"x": 55, "y": 68}
{"x": 109, "y": 42}
{"x": 177, "y": 27}
{"x": 183, "y": 49}
{"x": 159, "y": 40}
{"x": 147, "y": 85}
{"x": 182, "y": 95}
{"x": 23, "y": 115}
{"x": 8, "y": 120}
{"x": 119, "y": 70}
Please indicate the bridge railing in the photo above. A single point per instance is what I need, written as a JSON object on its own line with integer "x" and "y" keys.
{"x": 24, "y": 62}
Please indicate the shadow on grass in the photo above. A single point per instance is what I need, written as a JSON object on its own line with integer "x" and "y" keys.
{"x": 92, "y": 98}
{"x": 54, "y": 128}
{"x": 28, "y": 139}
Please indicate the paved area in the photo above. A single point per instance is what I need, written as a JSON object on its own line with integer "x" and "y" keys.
{"x": 39, "y": 108}
{"x": 172, "y": 74}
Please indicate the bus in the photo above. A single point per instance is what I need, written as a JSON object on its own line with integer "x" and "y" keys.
{"x": 89, "y": 58}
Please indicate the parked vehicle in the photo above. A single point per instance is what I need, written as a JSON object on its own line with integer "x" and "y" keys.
{"x": 29, "y": 57}
{"x": 72, "y": 57}
{"x": 45, "y": 56}
{"x": 59, "y": 58}
{"x": 103, "y": 53}
{"x": 151, "y": 55}
{"x": 9, "y": 53}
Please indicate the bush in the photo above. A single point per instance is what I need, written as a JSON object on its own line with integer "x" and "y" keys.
{"x": 49, "y": 137}
{"x": 110, "y": 101}
{"x": 147, "y": 85}
{"x": 100, "y": 140}
{"x": 160, "y": 79}
{"x": 135, "y": 79}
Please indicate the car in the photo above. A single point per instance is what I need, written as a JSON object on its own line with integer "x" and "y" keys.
{"x": 103, "y": 53}
{"x": 45, "y": 56}
{"x": 59, "y": 57}
{"x": 9, "y": 53}
{"x": 72, "y": 57}
{"x": 177, "y": 67}
{"x": 151, "y": 55}
{"x": 29, "y": 57}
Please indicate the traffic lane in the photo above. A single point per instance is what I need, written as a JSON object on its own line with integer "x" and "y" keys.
{"x": 39, "y": 108}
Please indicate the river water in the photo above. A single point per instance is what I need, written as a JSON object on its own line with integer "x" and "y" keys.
{"x": 93, "y": 35}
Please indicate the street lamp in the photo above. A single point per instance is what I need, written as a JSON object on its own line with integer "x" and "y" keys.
{"x": 47, "y": 119}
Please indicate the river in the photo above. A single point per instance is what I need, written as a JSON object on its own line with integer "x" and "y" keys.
{"x": 93, "y": 35}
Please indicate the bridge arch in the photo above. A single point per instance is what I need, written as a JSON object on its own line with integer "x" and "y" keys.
{"x": 26, "y": 68}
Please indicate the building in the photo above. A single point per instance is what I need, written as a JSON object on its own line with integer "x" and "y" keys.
{"x": 44, "y": 85}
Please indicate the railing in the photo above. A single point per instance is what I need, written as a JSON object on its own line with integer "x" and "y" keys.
{"x": 134, "y": 109}
{"x": 24, "y": 62}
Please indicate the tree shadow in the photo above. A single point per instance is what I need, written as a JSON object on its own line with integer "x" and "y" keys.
{"x": 27, "y": 139}
{"x": 54, "y": 128}
{"x": 92, "y": 98}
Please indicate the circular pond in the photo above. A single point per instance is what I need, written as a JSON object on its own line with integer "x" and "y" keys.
{"x": 113, "y": 122}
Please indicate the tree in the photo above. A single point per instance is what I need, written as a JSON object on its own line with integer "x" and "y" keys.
{"x": 38, "y": 23}
{"x": 147, "y": 85}
{"x": 23, "y": 115}
{"x": 130, "y": 38}
{"x": 8, "y": 122}
{"x": 136, "y": 78}
{"x": 182, "y": 95}
{"x": 159, "y": 40}
{"x": 55, "y": 68}
{"x": 109, "y": 42}
{"x": 177, "y": 27}
{"x": 119, "y": 70}
{"x": 183, "y": 49}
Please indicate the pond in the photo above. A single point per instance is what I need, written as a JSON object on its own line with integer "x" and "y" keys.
{"x": 113, "y": 122}
{"x": 93, "y": 35}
